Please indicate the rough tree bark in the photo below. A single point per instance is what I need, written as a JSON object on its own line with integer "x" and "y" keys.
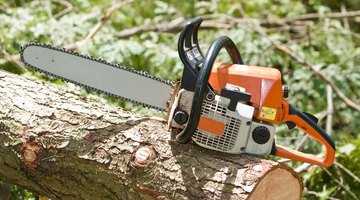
{"x": 57, "y": 143}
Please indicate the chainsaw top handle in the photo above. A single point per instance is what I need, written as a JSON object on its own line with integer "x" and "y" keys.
{"x": 202, "y": 82}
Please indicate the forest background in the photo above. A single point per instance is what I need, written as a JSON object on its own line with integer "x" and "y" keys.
{"x": 314, "y": 43}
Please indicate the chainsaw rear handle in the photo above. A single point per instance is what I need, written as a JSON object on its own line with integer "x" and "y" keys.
{"x": 307, "y": 125}
{"x": 202, "y": 83}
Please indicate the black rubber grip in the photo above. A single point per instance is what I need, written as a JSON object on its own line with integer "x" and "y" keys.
{"x": 294, "y": 111}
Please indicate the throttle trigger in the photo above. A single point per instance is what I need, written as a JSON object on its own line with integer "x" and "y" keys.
{"x": 290, "y": 125}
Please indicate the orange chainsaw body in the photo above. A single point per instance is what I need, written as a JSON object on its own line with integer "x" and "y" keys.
{"x": 265, "y": 86}
{"x": 263, "y": 83}
{"x": 238, "y": 93}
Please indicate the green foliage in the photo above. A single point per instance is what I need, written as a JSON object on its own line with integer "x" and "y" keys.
{"x": 349, "y": 156}
{"x": 17, "y": 193}
{"x": 324, "y": 42}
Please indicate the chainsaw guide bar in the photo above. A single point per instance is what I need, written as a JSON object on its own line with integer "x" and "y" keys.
{"x": 136, "y": 76}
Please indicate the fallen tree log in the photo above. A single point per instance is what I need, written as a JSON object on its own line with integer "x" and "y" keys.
{"x": 65, "y": 146}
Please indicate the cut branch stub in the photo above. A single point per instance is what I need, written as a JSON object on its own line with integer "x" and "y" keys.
{"x": 143, "y": 156}
{"x": 30, "y": 154}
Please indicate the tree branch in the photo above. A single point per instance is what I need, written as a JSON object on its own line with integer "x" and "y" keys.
{"x": 311, "y": 16}
{"x": 178, "y": 23}
{"x": 356, "y": 178}
{"x": 319, "y": 195}
{"x": 173, "y": 25}
{"x": 98, "y": 26}
{"x": 12, "y": 58}
{"x": 68, "y": 5}
{"x": 330, "y": 109}
{"x": 341, "y": 184}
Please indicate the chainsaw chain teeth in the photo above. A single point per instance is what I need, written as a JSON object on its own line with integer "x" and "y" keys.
{"x": 128, "y": 69}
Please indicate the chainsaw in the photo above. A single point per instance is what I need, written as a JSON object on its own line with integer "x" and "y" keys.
{"x": 231, "y": 108}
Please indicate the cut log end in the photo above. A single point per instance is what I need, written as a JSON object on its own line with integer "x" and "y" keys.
{"x": 279, "y": 183}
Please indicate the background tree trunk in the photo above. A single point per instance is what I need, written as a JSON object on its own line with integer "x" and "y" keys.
{"x": 60, "y": 144}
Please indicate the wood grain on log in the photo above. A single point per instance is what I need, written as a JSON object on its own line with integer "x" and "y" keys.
{"x": 59, "y": 144}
